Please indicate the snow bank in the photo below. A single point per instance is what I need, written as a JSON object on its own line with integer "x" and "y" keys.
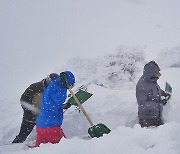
{"x": 112, "y": 70}
{"x": 115, "y": 107}
{"x": 169, "y": 57}
{"x": 125, "y": 140}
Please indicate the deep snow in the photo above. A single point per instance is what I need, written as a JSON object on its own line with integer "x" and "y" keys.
{"x": 38, "y": 37}
{"x": 115, "y": 108}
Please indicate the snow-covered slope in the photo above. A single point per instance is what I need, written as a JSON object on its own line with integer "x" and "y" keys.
{"x": 117, "y": 109}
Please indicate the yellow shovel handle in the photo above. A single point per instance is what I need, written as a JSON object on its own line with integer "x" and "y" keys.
{"x": 81, "y": 107}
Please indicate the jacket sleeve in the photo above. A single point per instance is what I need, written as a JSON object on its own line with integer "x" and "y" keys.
{"x": 167, "y": 97}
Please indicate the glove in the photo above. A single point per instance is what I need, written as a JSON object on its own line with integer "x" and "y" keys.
{"x": 66, "y": 106}
{"x": 164, "y": 101}
{"x": 69, "y": 95}
{"x": 167, "y": 96}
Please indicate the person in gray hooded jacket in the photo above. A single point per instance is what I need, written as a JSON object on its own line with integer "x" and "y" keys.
{"x": 149, "y": 96}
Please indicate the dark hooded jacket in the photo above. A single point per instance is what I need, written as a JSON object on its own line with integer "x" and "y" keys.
{"x": 148, "y": 93}
{"x": 33, "y": 95}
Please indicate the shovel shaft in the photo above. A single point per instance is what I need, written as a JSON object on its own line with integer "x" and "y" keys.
{"x": 81, "y": 107}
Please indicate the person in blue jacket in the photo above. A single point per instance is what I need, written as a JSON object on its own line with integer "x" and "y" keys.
{"x": 48, "y": 126}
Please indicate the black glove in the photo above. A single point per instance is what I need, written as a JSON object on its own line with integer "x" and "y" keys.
{"x": 66, "y": 106}
{"x": 69, "y": 95}
{"x": 167, "y": 96}
{"x": 164, "y": 101}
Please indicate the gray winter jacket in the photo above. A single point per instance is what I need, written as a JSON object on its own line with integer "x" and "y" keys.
{"x": 148, "y": 93}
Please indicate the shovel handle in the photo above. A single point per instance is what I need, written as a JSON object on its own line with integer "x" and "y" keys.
{"x": 81, "y": 107}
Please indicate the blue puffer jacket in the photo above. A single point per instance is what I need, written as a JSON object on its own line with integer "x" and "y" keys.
{"x": 51, "y": 107}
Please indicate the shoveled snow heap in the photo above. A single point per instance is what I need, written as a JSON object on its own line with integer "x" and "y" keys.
{"x": 115, "y": 107}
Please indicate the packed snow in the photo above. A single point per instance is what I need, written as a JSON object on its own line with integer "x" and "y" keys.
{"x": 38, "y": 37}
{"x": 111, "y": 79}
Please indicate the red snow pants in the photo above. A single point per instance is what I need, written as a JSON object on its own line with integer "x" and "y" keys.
{"x": 52, "y": 135}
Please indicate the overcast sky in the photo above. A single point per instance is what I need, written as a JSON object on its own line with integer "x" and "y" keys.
{"x": 38, "y": 36}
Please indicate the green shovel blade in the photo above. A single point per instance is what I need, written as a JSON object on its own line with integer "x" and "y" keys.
{"x": 98, "y": 130}
{"x": 168, "y": 88}
{"x": 82, "y": 97}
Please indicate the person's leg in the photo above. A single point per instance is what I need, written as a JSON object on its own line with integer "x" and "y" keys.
{"x": 27, "y": 125}
{"x": 144, "y": 123}
{"x": 158, "y": 122}
{"x": 150, "y": 122}
{"x": 40, "y": 136}
{"x": 55, "y": 134}
{"x": 51, "y": 135}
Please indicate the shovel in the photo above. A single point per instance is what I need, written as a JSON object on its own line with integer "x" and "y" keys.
{"x": 95, "y": 130}
{"x": 168, "y": 88}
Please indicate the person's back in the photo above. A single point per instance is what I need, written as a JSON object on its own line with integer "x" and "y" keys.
{"x": 30, "y": 102}
{"x": 33, "y": 89}
{"x": 32, "y": 97}
{"x": 148, "y": 94}
{"x": 51, "y": 109}
{"x": 49, "y": 122}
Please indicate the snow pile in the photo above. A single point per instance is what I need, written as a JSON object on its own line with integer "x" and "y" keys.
{"x": 105, "y": 106}
{"x": 115, "y": 106}
{"x": 124, "y": 66}
{"x": 125, "y": 140}
{"x": 112, "y": 70}
{"x": 84, "y": 69}
{"x": 169, "y": 57}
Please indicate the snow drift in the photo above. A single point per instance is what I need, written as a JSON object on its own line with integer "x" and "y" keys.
{"x": 113, "y": 103}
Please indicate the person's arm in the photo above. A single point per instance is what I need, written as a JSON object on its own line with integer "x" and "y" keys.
{"x": 166, "y": 95}
{"x": 66, "y": 106}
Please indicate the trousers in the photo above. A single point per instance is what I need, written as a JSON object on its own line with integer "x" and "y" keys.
{"x": 151, "y": 122}
{"x": 49, "y": 135}
{"x": 27, "y": 125}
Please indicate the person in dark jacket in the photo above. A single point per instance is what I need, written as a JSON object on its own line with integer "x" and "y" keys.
{"x": 30, "y": 101}
{"x": 149, "y": 96}
{"x": 49, "y": 121}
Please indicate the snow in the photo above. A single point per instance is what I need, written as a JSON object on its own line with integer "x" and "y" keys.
{"x": 169, "y": 57}
{"x": 117, "y": 109}
{"x": 38, "y": 37}
{"x": 122, "y": 140}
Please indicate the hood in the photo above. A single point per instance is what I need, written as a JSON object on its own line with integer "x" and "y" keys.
{"x": 70, "y": 77}
{"x": 150, "y": 69}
